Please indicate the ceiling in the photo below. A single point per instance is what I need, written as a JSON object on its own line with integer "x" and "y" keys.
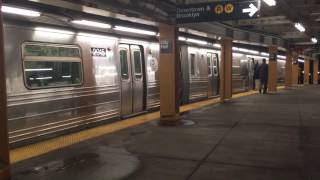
{"x": 276, "y": 21}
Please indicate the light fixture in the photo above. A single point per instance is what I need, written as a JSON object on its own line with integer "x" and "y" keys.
{"x": 253, "y": 52}
{"x": 270, "y": 2}
{"x": 92, "y": 24}
{"x": 237, "y": 54}
{"x": 182, "y": 38}
{"x": 314, "y": 40}
{"x": 282, "y": 57}
{"x": 197, "y": 41}
{"x": 51, "y": 30}
{"x": 20, "y": 11}
{"x": 300, "y": 27}
{"x": 243, "y": 50}
{"x": 217, "y": 45}
{"x": 301, "y": 60}
{"x": 264, "y": 54}
{"x": 134, "y": 30}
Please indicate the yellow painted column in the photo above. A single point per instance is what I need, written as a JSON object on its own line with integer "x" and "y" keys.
{"x": 288, "y": 76}
{"x": 315, "y": 71}
{"x": 306, "y": 70}
{"x": 295, "y": 69}
{"x": 272, "y": 79}
{"x": 169, "y": 75}
{"x": 4, "y": 141}
{"x": 226, "y": 70}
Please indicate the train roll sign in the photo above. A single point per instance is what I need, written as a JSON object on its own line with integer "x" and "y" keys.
{"x": 218, "y": 11}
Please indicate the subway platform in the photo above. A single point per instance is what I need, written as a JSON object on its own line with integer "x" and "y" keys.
{"x": 257, "y": 137}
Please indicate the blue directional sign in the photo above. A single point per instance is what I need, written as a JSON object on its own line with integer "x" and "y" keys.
{"x": 218, "y": 11}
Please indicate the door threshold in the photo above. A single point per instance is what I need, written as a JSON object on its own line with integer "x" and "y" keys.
{"x": 133, "y": 115}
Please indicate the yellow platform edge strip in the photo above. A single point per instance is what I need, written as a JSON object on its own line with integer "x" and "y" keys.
{"x": 41, "y": 148}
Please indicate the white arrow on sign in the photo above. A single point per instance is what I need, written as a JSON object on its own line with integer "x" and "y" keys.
{"x": 252, "y": 10}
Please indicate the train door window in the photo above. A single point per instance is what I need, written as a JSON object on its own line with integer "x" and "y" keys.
{"x": 124, "y": 64}
{"x": 193, "y": 64}
{"x": 51, "y": 65}
{"x": 137, "y": 64}
{"x": 209, "y": 63}
{"x": 215, "y": 65}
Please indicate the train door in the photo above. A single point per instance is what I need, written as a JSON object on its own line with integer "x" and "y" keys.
{"x": 132, "y": 79}
{"x": 213, "y": 74}
{"x": 251, "y": 72}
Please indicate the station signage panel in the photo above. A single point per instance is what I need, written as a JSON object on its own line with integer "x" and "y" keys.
{"x": 218, "y": 11}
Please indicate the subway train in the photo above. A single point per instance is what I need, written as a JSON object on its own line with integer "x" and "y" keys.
{"x": 60, "y": 81}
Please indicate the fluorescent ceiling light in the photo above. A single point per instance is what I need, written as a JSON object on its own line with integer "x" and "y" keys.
{"x": 134, "y": 30}
{"x": 182, "y": 38}
{"x": 20, "y": 11}
{"x": 235, "y": 48}
{"x": 243, "y": 50}
{"x": 197, "y": 41}
{"x": 253, "y": 52}
{"x": 301, "y": 60}
{"x": 300, "y": 27}
{"x": 92, "y": 24}
{"x": 217, "y": 45}
{"x": 40, "y": 69}
{"x": 53, "y": 30}
{"x": 270, "y": 2}
{"x": 282, "y": 57}
{"x": 314, "y": 40}
{"x": 264, "y": 54}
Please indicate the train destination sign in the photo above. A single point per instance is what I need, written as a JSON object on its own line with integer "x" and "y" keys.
{"x": 218, "y": 11}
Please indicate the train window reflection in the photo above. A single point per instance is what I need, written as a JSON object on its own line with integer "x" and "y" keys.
{"x": 124, "y": 64}
{"x": 49, "y": 66}
{"x": 137, "y": 64}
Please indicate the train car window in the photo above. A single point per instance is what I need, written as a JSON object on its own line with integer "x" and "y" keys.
{"x": 51, "y": 65}
{"x": 209, "y": 64}
{"x": 193, "y": 63}
{"x": 215, "y": 65}
{"x": 124, "y": 64}
{"x": 137, "y": 64}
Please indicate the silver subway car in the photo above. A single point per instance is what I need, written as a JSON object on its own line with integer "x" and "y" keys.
{"x": 59, "y": 80}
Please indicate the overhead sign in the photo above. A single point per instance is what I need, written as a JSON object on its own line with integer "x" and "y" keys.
{"x": 218, "y": 11}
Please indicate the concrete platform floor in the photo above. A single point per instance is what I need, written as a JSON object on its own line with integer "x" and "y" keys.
{"x": 259, "y": 137}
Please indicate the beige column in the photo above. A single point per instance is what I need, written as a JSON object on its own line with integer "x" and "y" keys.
{"x": 4, "y": 142}
{"x": 288, "y": 75}
{"x": 272, "y": 79}
{"x": 169, "y": 75}
{"x": 226, "y": 70}
{"x": 306, "y": 70}
{"x": 295, "y": 69}
{"x": 315, "y": 71}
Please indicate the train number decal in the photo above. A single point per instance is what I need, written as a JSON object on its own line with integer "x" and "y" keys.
{"x": 99, "y": 52}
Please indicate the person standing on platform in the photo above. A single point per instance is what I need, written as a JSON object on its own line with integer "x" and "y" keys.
{"x": 256, "y": 78}
{"x": 263, "y": 75}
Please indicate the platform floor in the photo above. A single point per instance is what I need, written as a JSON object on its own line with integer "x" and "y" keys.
{"x": 259, "y": 137}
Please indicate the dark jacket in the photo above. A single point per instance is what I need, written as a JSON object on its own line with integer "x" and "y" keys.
{"x": 263, "y": 72}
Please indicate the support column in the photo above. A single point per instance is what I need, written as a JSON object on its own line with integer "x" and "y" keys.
{"x": 226, "y": 70}
{"x": 288, "y": 76}
{"x": 315, "y": 71}
{"x": 295, "y": 69}
{"x": 4, "y": 142}
{"x": 169, "y": 75}
{"x": 272, "y": 79}
{"x": 306, "y": 70}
